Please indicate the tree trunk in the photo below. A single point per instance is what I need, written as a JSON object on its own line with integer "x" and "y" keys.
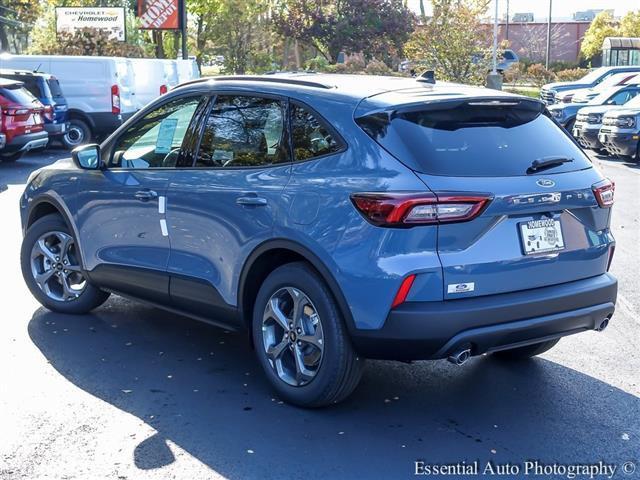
{"x": 4, "y": 40}
{"x": 296, "y": 51}
{"x": 157, "y": 40}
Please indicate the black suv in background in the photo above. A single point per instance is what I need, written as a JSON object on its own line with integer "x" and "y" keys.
{"x": 44, "y": 87}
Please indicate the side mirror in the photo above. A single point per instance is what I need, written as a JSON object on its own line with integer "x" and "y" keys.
{"x": 87, "y": 157}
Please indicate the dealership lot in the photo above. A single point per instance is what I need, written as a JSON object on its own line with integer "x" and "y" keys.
{"x": 133, "y": 392}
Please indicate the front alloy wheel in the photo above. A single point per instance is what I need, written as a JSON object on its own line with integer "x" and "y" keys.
{"x": 292, "y": 336}
{"x": 55, "y": 267}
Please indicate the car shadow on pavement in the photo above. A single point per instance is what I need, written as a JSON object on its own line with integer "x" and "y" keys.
{"x": 200, "y": 388}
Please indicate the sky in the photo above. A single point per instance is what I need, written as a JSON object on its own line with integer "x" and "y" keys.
{"x": 561, "y": 8}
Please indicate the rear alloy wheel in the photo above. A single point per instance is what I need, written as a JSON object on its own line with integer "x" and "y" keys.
{"x": 300, "y": 338}
{"x": 51, "y": 268}
{"x": 77, "y": 134}
{"x": 528, "y": 351}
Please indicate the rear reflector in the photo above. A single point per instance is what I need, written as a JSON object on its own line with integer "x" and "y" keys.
{"x": 612, "y": 250}
{"x": 163, "y": 89}
{"x": 604, "y": 192}
{"x": 403, "y": 291}
{"x": 401, "y": 209}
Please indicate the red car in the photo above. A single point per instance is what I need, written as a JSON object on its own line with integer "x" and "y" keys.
{"x": 21, "y": 121}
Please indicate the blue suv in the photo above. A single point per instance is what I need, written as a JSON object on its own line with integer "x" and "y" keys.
{"x": 334, "y": 218}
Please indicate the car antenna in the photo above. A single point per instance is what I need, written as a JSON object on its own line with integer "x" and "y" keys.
{"x": 428, "y": 76}
{"x": 38, "y": 68}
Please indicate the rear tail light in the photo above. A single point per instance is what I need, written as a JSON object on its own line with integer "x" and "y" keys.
{"x": 604, "y": 192}
{"x": 115, "y": 99}
{"x": 408, "y": 209}
{"x": 403, "y": 291}
{"x": 48, "y": 112}
{"x": 163, "y": 89}
{"x": 15, "y": 111}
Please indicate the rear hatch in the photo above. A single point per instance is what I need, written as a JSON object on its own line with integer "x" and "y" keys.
{"x": 543, "y": 225}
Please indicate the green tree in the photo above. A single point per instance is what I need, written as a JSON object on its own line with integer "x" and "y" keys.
{"x": 453, "y": 41}
{"x": 19, "y": 17}
{"x": 602, "y": 26}
{"x": 630, "y": 25}
{"x": 237, "y": 29}
{"x": 377, "y": 28}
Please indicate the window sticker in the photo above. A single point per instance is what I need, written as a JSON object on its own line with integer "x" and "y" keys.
{"x": 165, "y": 135}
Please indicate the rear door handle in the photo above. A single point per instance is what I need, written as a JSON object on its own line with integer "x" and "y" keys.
{"x": 252, "y": 201}
{"x": 145, "y": 195}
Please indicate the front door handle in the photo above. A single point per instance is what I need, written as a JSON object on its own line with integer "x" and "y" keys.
{"x": 251, "y": 201}
{"x": 145, "y": 195}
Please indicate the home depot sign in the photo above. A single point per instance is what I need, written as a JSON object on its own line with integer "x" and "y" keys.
{"x": 159, "y": 14}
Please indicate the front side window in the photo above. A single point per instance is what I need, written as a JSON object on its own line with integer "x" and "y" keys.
{"x": 309, "y": 136}
{"x": 244, "y": 131}
{"x": 154, "y": 141}
{"x": 621, "y": 98}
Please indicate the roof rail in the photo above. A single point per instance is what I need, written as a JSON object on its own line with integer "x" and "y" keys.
{"x": 272, "y": 78}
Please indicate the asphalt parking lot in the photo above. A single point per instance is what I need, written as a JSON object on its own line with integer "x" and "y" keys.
{"x": 132, "y": 392}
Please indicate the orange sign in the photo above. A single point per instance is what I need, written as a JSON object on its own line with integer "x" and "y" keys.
{"x": 158, "y": 14}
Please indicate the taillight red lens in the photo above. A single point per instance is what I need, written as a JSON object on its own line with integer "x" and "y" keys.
{"x": 604, "y": 192}
{"x": 402, "y": 209}
{"x": 115, "y": 99}
{"x": 48, "y": 112}
{"x": 163, "y": 89}
{"x": 403, "y": 291}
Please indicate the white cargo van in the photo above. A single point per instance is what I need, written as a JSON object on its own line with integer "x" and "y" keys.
{"x": 153, "y": 77}
{"x": 187, "y": 70}
{"x": 100, "y": 91}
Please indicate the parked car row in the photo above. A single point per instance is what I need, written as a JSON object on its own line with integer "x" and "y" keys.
{"x": 86, "y": 98}
{"x": 604, "y": 117}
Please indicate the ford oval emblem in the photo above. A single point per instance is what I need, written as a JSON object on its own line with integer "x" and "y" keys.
{"x": 545, "y": 182}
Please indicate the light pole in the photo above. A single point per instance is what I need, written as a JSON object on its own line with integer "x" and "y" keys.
{"x": 548, "y": 55}
{"x": 507, "y": 25}
{"x": 495, "y": 41}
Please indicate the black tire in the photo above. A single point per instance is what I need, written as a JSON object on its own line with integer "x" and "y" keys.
{"x": 78, "y": 134}
{"x": 11, "y": 157}
{"x": 90, "y": 298}
{"x": 528, "y": 351}
{"x": 340, "y": 368}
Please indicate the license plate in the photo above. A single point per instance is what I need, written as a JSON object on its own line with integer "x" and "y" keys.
{"x": 541, "y": 236}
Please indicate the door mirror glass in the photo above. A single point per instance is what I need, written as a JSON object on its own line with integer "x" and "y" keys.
{"x": 87, "y": 156}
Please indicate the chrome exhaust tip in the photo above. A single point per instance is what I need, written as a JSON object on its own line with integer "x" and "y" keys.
{"x": 460, "y": 357}
{"x": 603, "y": 325}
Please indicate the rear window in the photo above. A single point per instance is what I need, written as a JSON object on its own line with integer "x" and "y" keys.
{"x": 18, "y": 95}
{"x": 31, "y": 83}
{"x": 54, "y": 86}
{"x": 474, "y": 141}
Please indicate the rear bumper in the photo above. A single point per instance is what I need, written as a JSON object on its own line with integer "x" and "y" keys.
{"x": 624, "y": 144}
{"x": 56, "y": 129}
{"x": 587, "y": 138}
{"x": 430, "y": 330}
{"x": 29, "y": 141}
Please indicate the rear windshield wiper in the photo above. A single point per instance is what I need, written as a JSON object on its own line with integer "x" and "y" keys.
{"x": 547, "y": 162}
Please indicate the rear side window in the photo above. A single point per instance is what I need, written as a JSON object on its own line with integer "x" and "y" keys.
{"x": 310, "y": 137}
{"x": 18, "y": 95}
{"x": 473, "y": 141}
{"x": 244, "y": 131}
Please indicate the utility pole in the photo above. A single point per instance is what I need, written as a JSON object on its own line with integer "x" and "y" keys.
{"x": 183, "y": 27}
{"x": 507, "y": 25}
{"x": 495, "y": 41}
{"x": 548, "y": 56}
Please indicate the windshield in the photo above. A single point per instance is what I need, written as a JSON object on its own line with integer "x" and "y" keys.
{"x": 592, "y": 76}
{"x": 615, "y": 96}
{"x": 467, "y": 142}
